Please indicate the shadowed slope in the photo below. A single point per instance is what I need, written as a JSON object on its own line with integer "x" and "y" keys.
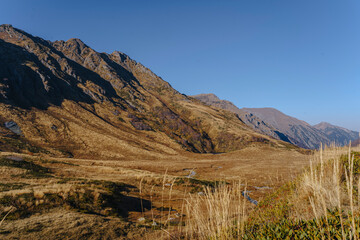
{"x": 68, "y": 97}
{"x": 299, "y": 132}
{"x": 248, "y": 118}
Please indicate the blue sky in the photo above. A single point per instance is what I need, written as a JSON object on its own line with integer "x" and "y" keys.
{"x": 301, "y": 57}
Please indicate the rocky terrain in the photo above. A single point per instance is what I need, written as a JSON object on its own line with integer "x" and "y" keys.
{"x": 69, "y": 100}
{"x": 248, "y": 118}
{"x": 298, "y": 132}
{"x": 303, "y": 134}
{"x": 276, "y": 124}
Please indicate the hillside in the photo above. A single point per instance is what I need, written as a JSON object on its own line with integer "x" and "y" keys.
{"x": 272, "y": 122}
{"x": 276, "y": 124}
{"x": 69, "y": 100}
{"x": 299, "y": 132}
{"x": 248, "y": 118}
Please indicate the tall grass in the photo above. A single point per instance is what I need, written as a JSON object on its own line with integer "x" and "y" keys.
{"x": 329, "y": 189}
{"x": 330, "y": 184}
{"x": 325, "y": 202}
{"x": 218, "y": 213}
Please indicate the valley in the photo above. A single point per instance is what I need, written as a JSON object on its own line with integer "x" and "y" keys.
{"x": 95, "y": 145}
{"x": 161, "y": 183}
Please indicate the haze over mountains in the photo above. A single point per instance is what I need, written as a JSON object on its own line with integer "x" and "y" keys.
{"x": 271, "y": 121}
{"x": 66, "y": 98}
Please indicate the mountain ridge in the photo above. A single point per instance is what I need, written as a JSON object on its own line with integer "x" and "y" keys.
{"x": 278, "y": 125}
{"x": 248, "y": 118}
{"x": 337, "y": 134}
{"x": 66, "y": 97}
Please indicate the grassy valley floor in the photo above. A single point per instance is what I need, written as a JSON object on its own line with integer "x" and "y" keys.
{"x": 169, "y": 198}
{"x": 48, "y": 196}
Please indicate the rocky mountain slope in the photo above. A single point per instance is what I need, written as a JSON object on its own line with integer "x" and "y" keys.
{"x": 339, "y": 135}
{"x": 303, "y": 134}
{"x": 248, "y": 118}
{"x": 68, "y": 99}
{"x": 299, "y": 132}
{"x": 276, "y": 124}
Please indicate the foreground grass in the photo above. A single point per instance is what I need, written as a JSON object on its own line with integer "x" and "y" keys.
{"x": 322, "y": 203}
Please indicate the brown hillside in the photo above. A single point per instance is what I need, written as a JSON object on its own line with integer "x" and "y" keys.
{"x": 69, "y": 99}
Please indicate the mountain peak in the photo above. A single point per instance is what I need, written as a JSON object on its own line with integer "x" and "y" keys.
{"x": 6, "y": 27}
{"x": 73, "y": 45}
{"x": 207, "y": 96}
{"x": 76, "y": 43}
{"x": 7, "y": 31}
{"x": 323, "y": 125}
{"x": 122, "y": 56}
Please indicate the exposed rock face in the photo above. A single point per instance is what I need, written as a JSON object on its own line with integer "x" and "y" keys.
{"x": 338, "y": 135}
{"x": 66, "y": 96}
{"x": 12, "y": 126}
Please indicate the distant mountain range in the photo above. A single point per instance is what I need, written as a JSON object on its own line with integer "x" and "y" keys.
{"x": 276, "y": 124}
{"x": 65, "y": 98}
{"x": 249, "y": 119}
{"x": 337, "y": 134}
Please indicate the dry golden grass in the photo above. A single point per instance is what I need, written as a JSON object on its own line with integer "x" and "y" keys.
{"x": 323, "y": 183}
{"x": 215, "y": 213}
{"x": 169, "y": 200}
{"x": 331, "y": 183}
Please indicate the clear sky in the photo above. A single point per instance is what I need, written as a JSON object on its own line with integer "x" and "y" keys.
{"x": 301, "y": 57}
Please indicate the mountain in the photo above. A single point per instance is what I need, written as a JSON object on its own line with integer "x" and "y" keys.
{"x": 303, "y": 134}
{"x": 299, "y": 132}
{"x": 248, "y": 118}
{"x": 65, "y": 98}
{"x": 339, "y": 135}
{"x": 276, "y": 124}
{"x": 272, "y": 122}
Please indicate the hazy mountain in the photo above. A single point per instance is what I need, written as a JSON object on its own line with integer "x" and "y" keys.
{"x": 276, "y": 124}
{"x": 248, "y": 118}
{"x": 67, "y": 98}
{"x": 303, "y": 134}
{"x": 299, "y": 132}
{"x": 339, "y": 135}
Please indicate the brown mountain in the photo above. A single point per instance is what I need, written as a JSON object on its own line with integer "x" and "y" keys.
{"x": 298, "y": 132}
{"x": 65, "y": 98}
{"x": 274, "y": 123}
{"x": 338, "y": 135}
{"x": 249, "y": 119}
